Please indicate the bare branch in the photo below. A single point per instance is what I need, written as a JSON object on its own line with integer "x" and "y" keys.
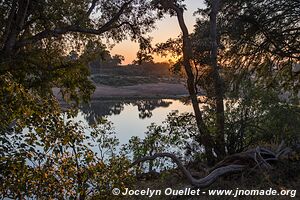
{"x": 90, "y": 10}
{"x": 253, "y": 158}
{"x": 201, "y": 183}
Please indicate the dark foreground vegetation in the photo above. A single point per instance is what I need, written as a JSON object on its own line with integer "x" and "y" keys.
{"x": 243, "y": 55}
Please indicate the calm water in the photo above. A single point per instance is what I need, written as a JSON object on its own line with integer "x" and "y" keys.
{"x": 131, "y": 118}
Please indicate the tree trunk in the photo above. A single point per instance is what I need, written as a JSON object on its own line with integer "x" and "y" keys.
{"x": 15, "y": 22}
{"x": 218, "y": 82}
{"x": 204, "y": 137}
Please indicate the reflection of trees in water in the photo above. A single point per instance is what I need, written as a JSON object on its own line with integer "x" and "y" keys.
{"x": 145, "y": 107}
{"x": 99, "y": 109}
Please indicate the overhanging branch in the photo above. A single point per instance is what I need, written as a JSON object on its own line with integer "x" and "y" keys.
{"x": 76, "y": 28}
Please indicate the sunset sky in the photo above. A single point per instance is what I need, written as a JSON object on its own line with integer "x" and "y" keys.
{"x": 165, "y": 29}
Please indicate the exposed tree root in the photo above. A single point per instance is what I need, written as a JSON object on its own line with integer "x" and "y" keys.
{"x": 251, "y": 159}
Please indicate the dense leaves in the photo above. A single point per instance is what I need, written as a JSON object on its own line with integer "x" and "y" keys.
{"x": 46, "y": 45}
{"x": 263, "y": 37}
{"x": 56, "y": 157}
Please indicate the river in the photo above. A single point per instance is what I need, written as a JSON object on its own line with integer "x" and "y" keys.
{"x": 131, "y": 118}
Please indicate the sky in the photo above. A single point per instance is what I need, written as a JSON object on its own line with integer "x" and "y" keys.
{"x": 165, "y": 29}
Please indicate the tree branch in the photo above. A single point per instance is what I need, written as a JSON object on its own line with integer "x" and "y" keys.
{"x": 90, "y": 10}
{"x": 75, "y": 28}
{"x": 252, "y": 158}
{"x": 201, "y": 183}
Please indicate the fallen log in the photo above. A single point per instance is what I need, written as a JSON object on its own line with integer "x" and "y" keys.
{"x": 251, "y": 159}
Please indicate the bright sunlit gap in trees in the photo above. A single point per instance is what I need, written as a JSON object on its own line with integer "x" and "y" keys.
{"x": 165, "y": 29}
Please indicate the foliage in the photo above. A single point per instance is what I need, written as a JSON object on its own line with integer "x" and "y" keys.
{"x": 257, "y": 115}
{"x": 254, "y": 115}
{"x": 175, "y": 135}
{"x": 144, "y": 53}
{"x": 54, "y": 158}
{"x": 248, "y": 48}
{"x": 262, "y": 37}
{"x": 254, "y": 118}
{"x": 47, "y": 44}
{"x": 47, "y": 154}
{"x": 254, "y": 37}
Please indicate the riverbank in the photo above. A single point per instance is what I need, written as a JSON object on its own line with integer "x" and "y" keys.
{"x": 139, "y": 91}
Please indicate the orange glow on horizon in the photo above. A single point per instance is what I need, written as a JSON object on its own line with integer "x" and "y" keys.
{"x": 165, "y": 29}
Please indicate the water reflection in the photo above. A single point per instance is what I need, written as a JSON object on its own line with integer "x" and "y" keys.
{"x": 131, "y": 118}
{"x": 106, "y": 108}
{"x": 145, "y": 107}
